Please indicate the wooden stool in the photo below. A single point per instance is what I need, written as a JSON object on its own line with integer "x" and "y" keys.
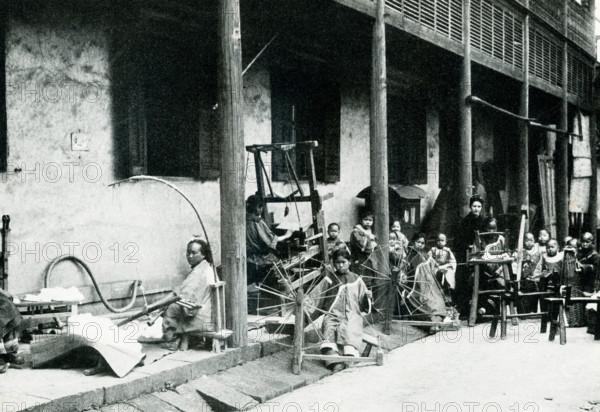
{"x": 507, "y": 273}
{"x": 556, "y": 316}
{"x": 219, "y": 334}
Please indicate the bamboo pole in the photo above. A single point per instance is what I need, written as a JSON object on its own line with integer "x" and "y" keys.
{"x": 378, "y": 135}
{"x": 233, "y": 234}
{"x": 562, "y": 147}
{"x": 466, "y": 171}
{"x": 523, "y": 126}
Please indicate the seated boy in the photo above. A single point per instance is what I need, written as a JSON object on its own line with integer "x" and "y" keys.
{"x": 333, "y": 239}
{"x": 531, "y": 256}
{"x": 547, "y": 271}
{"x": 444, "y": 257}
{"x": 342, "y": 295}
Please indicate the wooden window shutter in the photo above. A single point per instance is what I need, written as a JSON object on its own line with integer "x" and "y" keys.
{"x": 138, "y": 156}
{"x": 282, "y": 126}
{"x": 209, "y": 145}
{"x": 331, "y": 136}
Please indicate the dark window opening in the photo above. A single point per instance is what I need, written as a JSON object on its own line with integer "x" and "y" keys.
{"x": 165, "y": 95}
{"x": 407, "y": 141}
{"x": 306, "y": 107}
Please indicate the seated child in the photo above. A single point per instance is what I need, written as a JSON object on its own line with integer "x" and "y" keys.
{"x": 547, "y": 271}
{"x": 492, "y": 244}
{"x": 416, "y": 254}
{"x": 397, "y": 230}
{"x": 397, "y": 251}
{"x": 531, "y": 257}
{"x": 362, "y": 244}
{"x": 543, "y": 239}
{"x": 345, "y": 298}
{"x": 444, "y": 257}
{"x": 333, "y": 239}
{"x": 567, "y": 242}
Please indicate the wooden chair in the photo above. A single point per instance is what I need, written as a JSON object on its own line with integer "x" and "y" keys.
{"x": 219, "y": 333}
{"x": 510, "y": 294}
{"x": 475, "y": 259}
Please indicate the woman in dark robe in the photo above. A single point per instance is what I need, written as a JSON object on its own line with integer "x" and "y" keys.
{"x": 471, "y": 223}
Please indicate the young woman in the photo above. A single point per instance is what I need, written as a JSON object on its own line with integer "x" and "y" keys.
{"x": 196, "y": 289}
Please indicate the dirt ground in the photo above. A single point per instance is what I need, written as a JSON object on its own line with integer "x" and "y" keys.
{"x": 465, "y": 371}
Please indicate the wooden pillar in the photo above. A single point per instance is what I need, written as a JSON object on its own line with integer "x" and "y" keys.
{"x": 3, "y": 120}
{"x": 562, "y": 147}
{"x": 378, "y": 134}
{"x": 593, "y": 207}
{"x": 523, "y": 127}
{"x": 466, "y": 156}
{"x": 233, "y": 231}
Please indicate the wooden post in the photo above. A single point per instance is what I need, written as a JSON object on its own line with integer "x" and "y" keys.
{"x": 233, "y": 234}
{"x": 5, "y": 241}
{"x": 562, "y": 146}
{"x": 523, "y": 127}
{"x": 466, "y": 169}
{"x": 298, "y": 332}
{"x": 593, "y": 207}
{"x": 391, "y": 301}
{"x": 378, "y": 140}
{"x": 474, "y": 297}
{"x": 3, "y": 105}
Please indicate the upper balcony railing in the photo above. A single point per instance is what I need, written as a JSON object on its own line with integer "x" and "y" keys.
{"x": 497, "y": 36}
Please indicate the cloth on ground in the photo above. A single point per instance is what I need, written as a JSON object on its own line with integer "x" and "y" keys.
{"x": 114, "y": 344}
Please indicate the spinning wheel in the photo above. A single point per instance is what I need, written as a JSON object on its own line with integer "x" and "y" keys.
{"x": 407, "y": 290}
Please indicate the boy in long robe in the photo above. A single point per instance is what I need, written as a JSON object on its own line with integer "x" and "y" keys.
{"x": 531, "y": 256}
{"x": 343, "y": 295}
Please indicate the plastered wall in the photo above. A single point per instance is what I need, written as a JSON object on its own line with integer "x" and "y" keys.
{"x": 59, "y": 197}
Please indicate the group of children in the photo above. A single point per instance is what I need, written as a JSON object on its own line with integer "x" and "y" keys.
{"x": 363, "y": 243}
{"x": 542, "y": 261}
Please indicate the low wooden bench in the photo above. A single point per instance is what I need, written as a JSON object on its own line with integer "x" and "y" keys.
{"x": 36, "y": 311}
{"x": 556, "y": 314}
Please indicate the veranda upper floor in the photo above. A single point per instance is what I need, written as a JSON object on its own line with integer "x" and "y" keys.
{"x": 498, "y": 36}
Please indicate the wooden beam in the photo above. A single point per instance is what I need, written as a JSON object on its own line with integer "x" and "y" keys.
{"x": 465, "y": 178}
{"x": 233, "y": 234}
{"x": 378, "y": 135}
{"x": 526, "y": 120}
{"x": 523, "y": 188}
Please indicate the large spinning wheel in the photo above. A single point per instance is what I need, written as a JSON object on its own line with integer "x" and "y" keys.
{"x": 405, "y": 291}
